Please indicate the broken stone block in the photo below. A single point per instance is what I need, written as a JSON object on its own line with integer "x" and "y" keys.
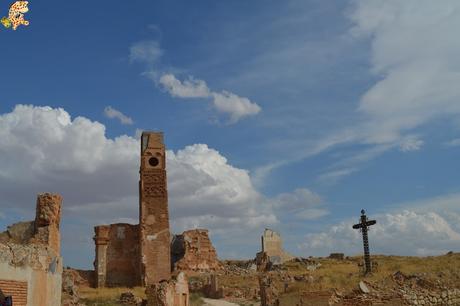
{"x": 169, "y": 292}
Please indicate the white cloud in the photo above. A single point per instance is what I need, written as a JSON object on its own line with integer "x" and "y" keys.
{"x": 414, "y": 58}
{"x": 411, "y": 144}
{"x": 190, "y": 88}
{"x": 418, "y": 73}
{"x": 206, "y": 191}
{"x": 44, "y": 149}
{"x": 405, "y": 233}
{"x": 224, "y": 102}
{"x": 112, "y": 113}
{"x": 237, "y": 107}
{"x": 453, "y": 143}
{"x": 145, "y": 51}
{"x": 335, "y": 175}
{"x": 302, "y": 203}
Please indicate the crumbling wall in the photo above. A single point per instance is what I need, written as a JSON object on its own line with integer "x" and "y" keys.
{"x": 30, "y": 262}
{"x": 272, "y": 244}
{"x": 174, "y": 292}
{"x": 193, "y": 251}
{"x": 117, "y": 255}
{"x": 47, "y": 220}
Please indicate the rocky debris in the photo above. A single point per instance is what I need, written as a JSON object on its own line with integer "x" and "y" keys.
{"x": 400, "y": 289}
{"x": 193, "y": 251}
{"x": 363, "y": 287}
{"x": 238, "y": 267}
{"x": 128, "y": 298}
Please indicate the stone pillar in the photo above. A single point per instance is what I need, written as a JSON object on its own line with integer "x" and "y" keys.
{"x": 214, "y": 283}
{"x": 101, "y": 240}
{"x": 268, "y": 292}
{"x": 154, "y": 216}
{"x": 47, "y": 220}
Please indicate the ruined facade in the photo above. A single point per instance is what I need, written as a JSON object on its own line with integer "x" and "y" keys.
{"x": 193, "y": 251}
{"x": 30, "y": 262}
{"x": 117, "y": 255}
{"x": 132, "y": 255}
{"x": 272, "y": 245}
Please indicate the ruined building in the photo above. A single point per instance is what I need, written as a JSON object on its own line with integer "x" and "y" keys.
{"x": 135, "y": 255}
{"x": 272, "y": 246}
{"x": 193, "y": 251}
{"x": 130, "y": 255}
{"x": 30, "y": 261}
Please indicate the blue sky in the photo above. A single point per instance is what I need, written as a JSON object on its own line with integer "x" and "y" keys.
{"x": 292, "y": 115}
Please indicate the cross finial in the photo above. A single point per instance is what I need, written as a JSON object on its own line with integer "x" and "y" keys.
{"x": 363, "y": 211}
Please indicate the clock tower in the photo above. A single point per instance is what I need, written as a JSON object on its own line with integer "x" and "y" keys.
{"x": 153, "y": 214}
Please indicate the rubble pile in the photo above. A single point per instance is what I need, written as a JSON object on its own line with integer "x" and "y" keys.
{"x": 238, "y": 268}
{"x": 128, "y": 299}
{"x": 402, "y": 289}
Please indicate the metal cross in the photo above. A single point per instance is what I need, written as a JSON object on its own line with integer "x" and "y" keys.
{"x": 363, "y": 226}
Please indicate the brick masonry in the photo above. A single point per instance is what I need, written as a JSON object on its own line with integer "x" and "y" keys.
{"x": 16, "y": 289}
{"x": 193, "y": 251}
{"x": 130, "y": 255}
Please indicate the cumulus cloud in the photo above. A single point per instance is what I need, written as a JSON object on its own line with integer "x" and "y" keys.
{"x": 190, "y": 88}
{"x": 405, "y": 233}
{"x": 112, "y": 113}
{"x": 207, "y": 191}
{"x": 44, "y": 149}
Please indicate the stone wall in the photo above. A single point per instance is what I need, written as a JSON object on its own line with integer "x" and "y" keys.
{"x": 193, "y": 251}
{"x": 30, "y": 262}
{"x": 117, "y": 255}
{"x": 272, "y": 244}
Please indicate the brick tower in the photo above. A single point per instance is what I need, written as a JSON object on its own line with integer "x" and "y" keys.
{"x": 153, "y": 214}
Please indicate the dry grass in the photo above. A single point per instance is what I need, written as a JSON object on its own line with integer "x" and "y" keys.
{"x": 107, "y": 296}
{"x": 340, "y": 274}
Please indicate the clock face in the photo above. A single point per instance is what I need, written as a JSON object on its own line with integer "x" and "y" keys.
{"x": 153, "y": 161}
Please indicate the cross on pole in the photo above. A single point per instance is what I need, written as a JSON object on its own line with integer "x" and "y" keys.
{"x": 363, "y": 226}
